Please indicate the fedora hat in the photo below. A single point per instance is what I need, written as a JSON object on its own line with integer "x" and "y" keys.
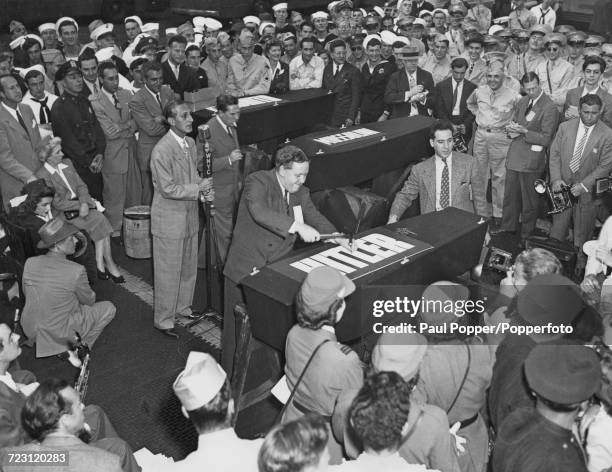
{"x": 54, "y": 231}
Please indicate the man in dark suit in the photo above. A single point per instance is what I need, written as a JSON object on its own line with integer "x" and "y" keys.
{"x": 344, "y": 80}
{"x": 580, "y": 153}
{"x": 451, "y": 99}
{"x": 418, "y": 7}
{"x": 535, "y": 122}
{"x": 443, "y": 180}
{"x": 177, "y": 74}
{"x": 275, "y": 208}
{"x": 174, "y": 218}
{"x": 19, "y": 140}
{"x": 375, "y": 75}
{"x": 410, "y": 90}
{"x": 193, "y": 60}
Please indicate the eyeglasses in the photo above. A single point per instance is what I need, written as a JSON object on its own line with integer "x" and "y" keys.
{"x": 552, "y": 49}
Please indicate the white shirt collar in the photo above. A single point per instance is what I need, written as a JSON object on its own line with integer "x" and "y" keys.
{"x": 108, "y": 95}
{"x": 181, "y": 141}
{"x": 448, "y": 159}
{"x": 7, "y": 379}
{"x": 152, "y": 93}
{"x": 537, "y": 98}
{"x": 223, "y": 125}
{"x": 52, "y": 170}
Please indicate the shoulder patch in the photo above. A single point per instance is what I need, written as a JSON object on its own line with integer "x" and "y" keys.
{"x": 345, "y": 349}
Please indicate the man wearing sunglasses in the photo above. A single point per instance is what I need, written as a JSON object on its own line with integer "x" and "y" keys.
{"x": 556, "y": 74}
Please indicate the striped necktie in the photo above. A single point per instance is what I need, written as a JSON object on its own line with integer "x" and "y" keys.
{"x": 575, "y": 162}
{"x": 444, "y": 187}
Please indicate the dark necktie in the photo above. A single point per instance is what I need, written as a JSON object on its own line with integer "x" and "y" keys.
{"x": 159, "y": 101}
{"x": 286, "y": 199}
{"x": 21, "y": 122}
{"x": 116, "y": 102}
{"x": 455, "y": 94}
{"x": 95, "y": 87}
{"x": 471, "y": 69}
{"x": 44, "y": 113}
{"x": 529, "y": 107}
{"x": 444, "y": 187}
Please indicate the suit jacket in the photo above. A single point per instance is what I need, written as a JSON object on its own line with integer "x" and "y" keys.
{"x": 18, "y": 151}
{"x": 119, "y": 129}
{"x": 422, "y": 183}
{"x": 573, "y": 98}
{"x": 527, "y": 151}
{"x": 397, "y": 87}
{"x": 225, "y": 176}
{"x": 202, "y": 78}
{"x": 416, "y": 9}
{"x": 347, "y": 87}
{"x": 62, "y": 200}
{"x": 261, "y": 235}
{"x": 174, "y": 211}
{"x": 596, "y": 159}
{"x": 280, "y": 81}
{"x": 443, "y": 107}
{"x": 81, "y": 456}
{"x": 55, "y": 288}
{"x": 373, "y": 89}
{"x": 187, "y": 81}
{"x": 11, "y": 404}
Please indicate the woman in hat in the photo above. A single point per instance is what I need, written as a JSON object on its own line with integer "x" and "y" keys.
{"x": 72, "y": 202}
{"x": 456, "y": 369}
{"x": 313, "y": 353}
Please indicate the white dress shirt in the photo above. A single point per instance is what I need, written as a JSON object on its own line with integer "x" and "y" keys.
{"x": 548, "y": 17}
{"x": 439, "y": 169}
{"x": 60, "y": 171}
{"x": 413, "y": 107}
{"x": 305, "y": 75}
{"x": 459, "y": 94}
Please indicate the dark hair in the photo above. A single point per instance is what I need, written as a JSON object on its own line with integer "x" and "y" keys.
{"x": 44, "y": 408}
{"x": 170, "y": 108}
{"x": 306, "y": 40}
{"x": 213, "y": 415}
{"x": 28, "y": 43}
{"x": 290, "y": 36}
{"x": 66, "y": 23}
{"x": 138, "y": 62}
{"x": 87, "y": 55}
{"x": 272, "y": 43}
{"x": 151, "y": 66}
{"x": 306, "y": 23}
{"x": 459, "y": 62}
{"x": 289, "y": 154}
{"x": 380, "y": 410}
{"x": 309, "y": 318}
{"x": 529, "y": 77}
{"x": 31, "y": 74}
{"x": 439, "y": 125}
{"x": 294, "y": 446}
{"x": 177, "y": 38}
{"x": 590, "y": 59}
{"x": 224, "y": 102}
{"x": 590, "y": 100}
{"x": 374, "y": 42}
{"x": 193, "y": 47}
{"x": 104, "y": 66}
{"x": 37, "y": 191}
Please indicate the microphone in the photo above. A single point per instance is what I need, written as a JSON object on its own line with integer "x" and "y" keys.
{"x": 204, "y": 135}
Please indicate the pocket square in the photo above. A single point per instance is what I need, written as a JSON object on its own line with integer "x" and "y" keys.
{"x": 595, "y": 149}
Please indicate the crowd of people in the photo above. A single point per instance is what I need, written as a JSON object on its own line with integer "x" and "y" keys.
{"x": 88, "y": 130}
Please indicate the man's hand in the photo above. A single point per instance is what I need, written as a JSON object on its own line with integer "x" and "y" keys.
{"x": 392, "y": 219}
{"x": 590, "y": 284}
{"x": 96, "y": 164}
{"x": 83, "y": 210}
{"x": 383, "y": 117}
{"x": 348, "y": 122}
{"x": 307, "y": 233}
{"x": 206, "y": 185}
{"x": 516, "y": 128}
{"x": 557, "y": 185}
{"x": 358, "y": 118}
{"x": 577, "y": 190}
{"x": 235, "y": 155}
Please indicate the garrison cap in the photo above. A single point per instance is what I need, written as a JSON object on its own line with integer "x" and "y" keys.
{"x": 540, "y": 29}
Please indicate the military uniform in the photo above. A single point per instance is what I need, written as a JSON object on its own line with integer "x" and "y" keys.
{"x": 439, "y": 69}
{"x": 523, "y": 63}
{"x": 374, "y": 83}
{"x": 521, "y": 19}
{"x": 74, "y": 120}
{"x": 334, "y": 369}
{"x": 248, "y": 78}
{"x": 556, "y": 79}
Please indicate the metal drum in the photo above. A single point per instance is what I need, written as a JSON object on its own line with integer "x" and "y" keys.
{"x": 137, "y": 232}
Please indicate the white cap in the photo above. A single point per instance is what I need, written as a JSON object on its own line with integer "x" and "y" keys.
{"x": 332, "y": 5}
{"x": 199, "y": 22}
{"x": 198, "y": 37}
{"x": 17, "y": 42}
{"x": 363, "y": 12}
{"x": 134, "y": 18}
{"x": 212, "y": 24}
{"x": 388, "y": 37}
{"x": 402, "y": 39}
{"x": 46, "y": 27}
{"x": 319, "y": 14}
{"x": 63, "y": 19}
{"x": 370, "y": 37}
{"x": 420, "y": 21}
{"x": 200, "y": 381}
{"x": 170, "y": 31}
{"x": 251, "y": 19}
{"x": 379, "y": 11}
{"x": 443, "y": 10}
{"x": 264, "y": 25}
{"x": 105, "y": 54}
{"x": 102, "y": 30}
{"x": 495, "y": 28}
{"x": 150, "y": 27}
{"x": 280, "y": 6}
{"x": 39, "y": 67}
{"x": 36, "y": 38}
{"x": 423, "y": 13}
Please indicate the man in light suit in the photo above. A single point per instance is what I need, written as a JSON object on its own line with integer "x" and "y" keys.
{"x": 226, "y": 168}
{"x": 451, "y": 99}
{"x": 113, "y": 113}
{"x": 535, "y": 122}
{"x": 593, "y": 68}
{"x": 410, "y": 90}
{"x": 580, "y": 153}
{"x": 59, "y": 300}
{"x": 19, "y": 143}
{"x": 441, "y": 181}
{"x": 274, "y": 209}
{"x": 344, "y": 80}
{"x": 147, "y": 107}
{"x": 174, "y": 218}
